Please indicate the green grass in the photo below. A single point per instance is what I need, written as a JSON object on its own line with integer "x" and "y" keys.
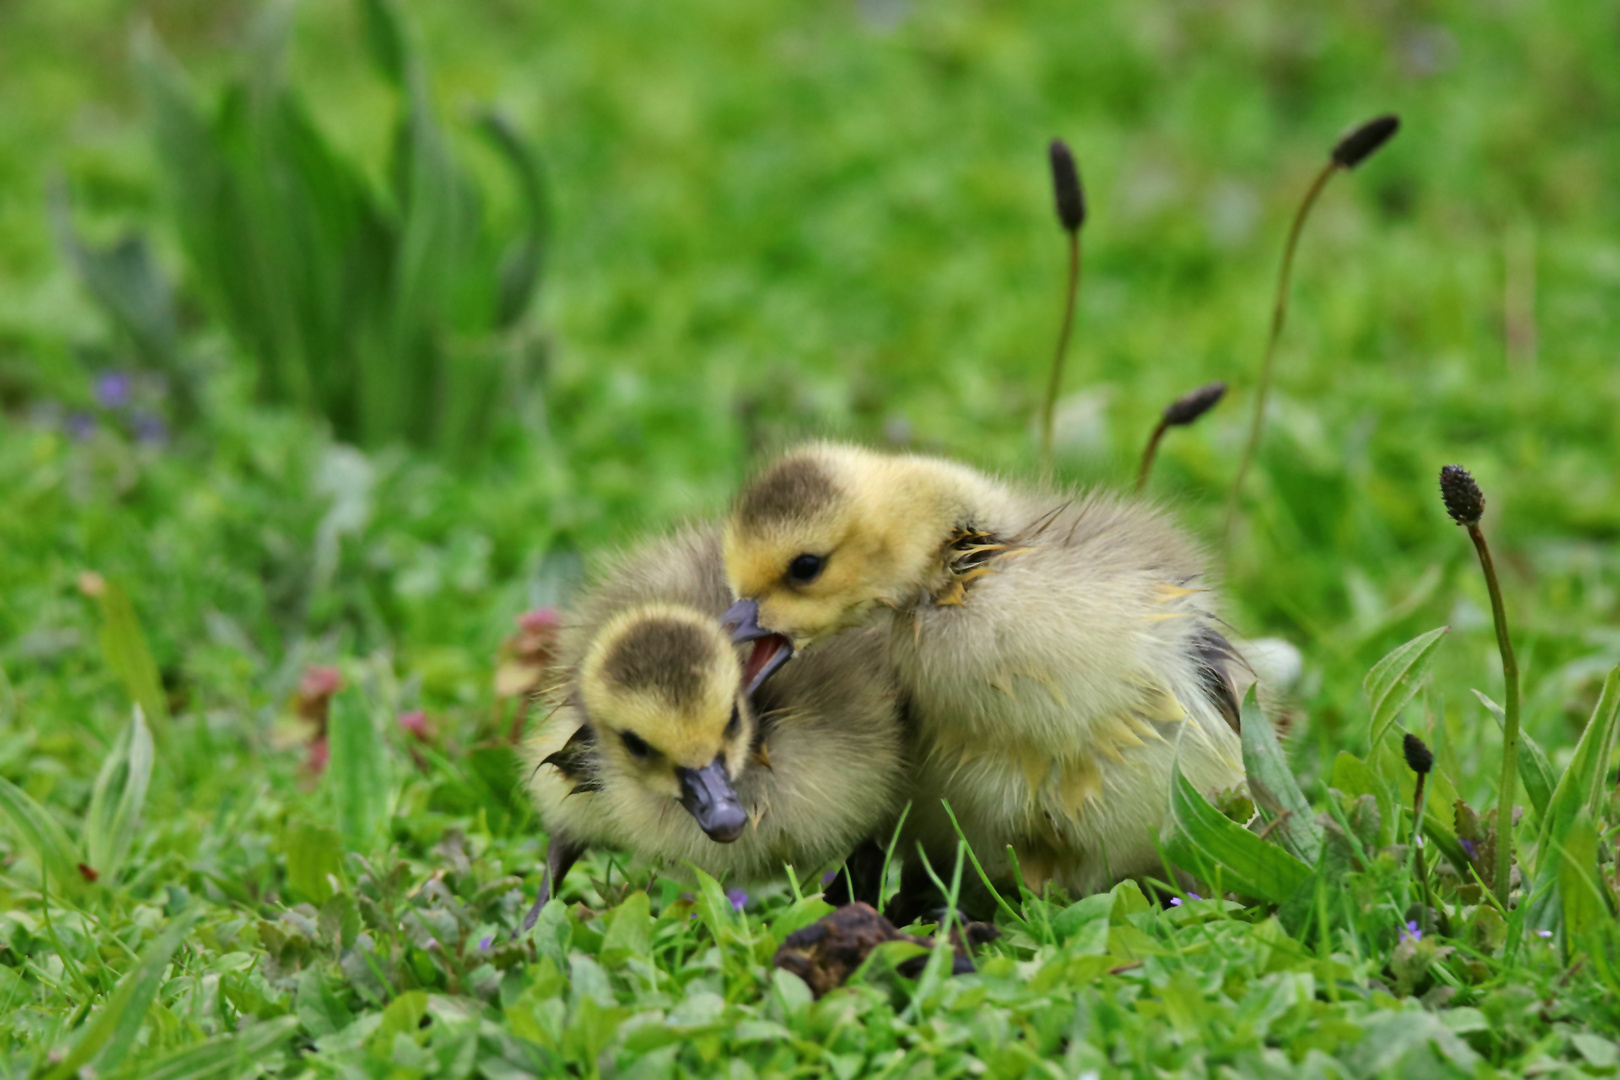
{"x": 770, "y": 221}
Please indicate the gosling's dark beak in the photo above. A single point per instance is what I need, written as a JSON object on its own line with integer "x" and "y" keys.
{"x": 771, "y": 650}
{"x": 709, "y": 797}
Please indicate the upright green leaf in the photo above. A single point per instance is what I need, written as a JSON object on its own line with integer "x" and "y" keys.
{"x": 1204, "y": 839}
{"x": 1534, "y": 768}
{"x": 118, "y": 798}
{"x": 1586, "y": 909}
{"x": 1581, "y": 790}
{"x": 1274, "y": 788}
{"x": 1355, "y": 777}
{"x": 124, "y": 646}
{"x": 106, "y": 1040}
{"x": 1394, "y": 680}
{"x": 314, "y": 860}
{"x": 33, "y": 824}
{"x": 357, "y": 774}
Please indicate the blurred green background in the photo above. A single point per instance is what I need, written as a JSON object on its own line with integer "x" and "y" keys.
{"x": 771, "y": 221}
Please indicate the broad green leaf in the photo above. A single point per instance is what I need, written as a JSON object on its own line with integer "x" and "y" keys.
{"x": 1586, "y": 910}
{"x": 222, "y": 1056}
{"x": 1394, "y": 680}
{"x": 1203, "y": 839}
{"x": 629, "y": 929}
{"x": 124, "y": 646}
{"x": 314, "y": 860}
{"x": 33, "y": 824}
{"x": 402, "y": 1017}
{"x": 1353, "y": 776}
{"x": 357, "y": 773}
{"x": 320, "y": 1010}
{"x": 798, "y": 915}
{"x": 118, "y": 798}
{"x": 1581, "y": 790}
{"x": 1272, "y": 783}
{"x": 1534, "y": 769}
{"x": 107, "y": 1038}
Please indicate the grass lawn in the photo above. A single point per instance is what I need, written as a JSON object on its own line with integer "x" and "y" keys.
{"x": 768, "y": 222}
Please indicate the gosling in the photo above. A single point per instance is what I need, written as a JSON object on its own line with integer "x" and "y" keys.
{"x": 1057, "y": 652}
{"x": 656, "y": 748}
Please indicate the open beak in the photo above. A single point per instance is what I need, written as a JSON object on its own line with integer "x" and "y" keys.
{"x": 771, "y": 650}
{"x": 709, "y": 797}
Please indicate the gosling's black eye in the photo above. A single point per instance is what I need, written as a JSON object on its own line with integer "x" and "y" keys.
{"x": 636, "y": 744}
{"x": 806, "y": 568}
{"x": 734, "y": 725}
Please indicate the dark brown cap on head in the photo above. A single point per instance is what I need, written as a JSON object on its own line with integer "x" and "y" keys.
{"x": 1464, "y": 501}
{"x": 1193, "y": 404}
{"x": 665, "y": 656}
{"x": 1419, "y": 758}
{"x": 1364, "y": 140}
{"x": 1066, "y": 189}
{"x": 791, "y": 490}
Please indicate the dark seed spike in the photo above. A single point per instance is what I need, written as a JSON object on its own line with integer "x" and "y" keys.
{"x": 1464, "y": 501}
{"x": 1066, "y": 189}
{"x": 1419, "y": 758}
{"x": 1193, "y": 404}
{"x": 1364, "y": 140}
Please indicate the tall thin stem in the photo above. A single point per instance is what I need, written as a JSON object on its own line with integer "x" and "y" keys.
{"x": 1150, "y": 453}
{"x": 1058, "y": 357}
{"x": 1510, "y": 725}
{"x": 1279, "y": 315}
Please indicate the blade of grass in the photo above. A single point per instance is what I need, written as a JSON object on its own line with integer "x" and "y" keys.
{"x": 33, "y": 824}
{"x": 107, "y": 1039}
{"x": 125, "y": 648}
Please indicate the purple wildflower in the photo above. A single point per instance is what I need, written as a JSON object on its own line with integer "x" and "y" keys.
{"x": 1175, "y": 901}
{"x": 738, "y": 898}
{"x": 1412, "y": 931}
{"x": 1195, "y": 896}
{"x": 1543, "y": 933}
{"x": 1470, "y": 848}
{"x": 113, "y": 389}
{"x": 150, "y": 429}
{"x": 80, "y": 426}
{"x": 486, "y": 942}
{"x": 828, "y": 878}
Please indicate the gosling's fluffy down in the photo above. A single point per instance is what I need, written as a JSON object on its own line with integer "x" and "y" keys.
{"x": 821, "y": 765}
{"x": 1057, "y": 650}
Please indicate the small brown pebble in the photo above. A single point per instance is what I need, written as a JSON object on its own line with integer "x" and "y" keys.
{"x": 827, "y": 952}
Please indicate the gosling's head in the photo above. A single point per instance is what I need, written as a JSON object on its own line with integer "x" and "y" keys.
{"x": 821, "y": 537}
{"x": 663, "y": 689}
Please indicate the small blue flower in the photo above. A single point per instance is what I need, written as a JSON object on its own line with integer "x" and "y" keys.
{"x": 1412, "y": 931}
{"x": 738, "y": 898}
{"x": 1469, "y": 847}
{"x": 828, "y": 878}
{"x": 1195, "y": 896}
{"x": 113, "y": 389}
{"x": 1544, "y": 933}
{"x": 1175, "y": 901}
{"x": 486, "y": 942}
{"x": 150, "y": 429}
{"x": 80, "y": 426}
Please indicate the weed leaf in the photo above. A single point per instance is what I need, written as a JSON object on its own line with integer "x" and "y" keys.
{"x": 1205, "y": 838}
{"x": 1394, "y": 680}
{"x": 1274, "y": 788}
{"x": 34, "y": 825}
{"x": 124, "y": 646}
{"x": 118, "y": 798}
{"x": 357, "y": 774}
{"x": 1581, "y": 790}
{"x": 1534, "y": 768}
